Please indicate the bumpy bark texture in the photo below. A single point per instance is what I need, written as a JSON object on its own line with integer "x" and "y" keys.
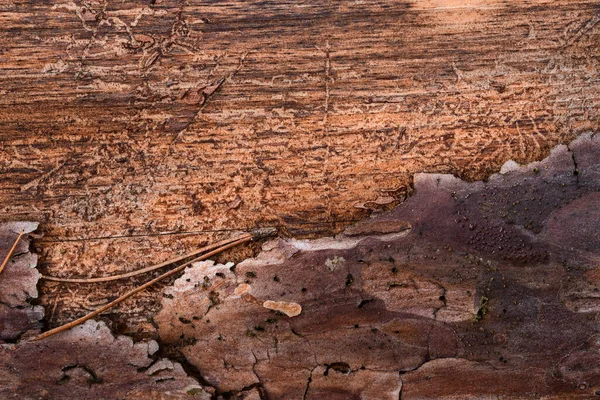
{"x": 18, "y": 283}
{"x": 467, "y": 290}
{"x": 87, "y": 362}
{"x": 136, "y": 117}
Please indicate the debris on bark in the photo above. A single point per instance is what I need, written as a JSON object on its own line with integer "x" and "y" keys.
{"x": 125, "y": 296}
{"x": 288, "y": 308}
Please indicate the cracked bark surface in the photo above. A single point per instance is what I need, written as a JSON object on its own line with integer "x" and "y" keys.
{"x": 466, "y": 290}
{"x": 18, "y": 283}
{"x": 122, "y": 120}
{"x": 87, "y": 362}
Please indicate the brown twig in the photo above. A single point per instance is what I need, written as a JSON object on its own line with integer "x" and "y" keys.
{"x": 147, "y": 269}
{"x": 139, "y": 289}
{"x": 11, "y": 251}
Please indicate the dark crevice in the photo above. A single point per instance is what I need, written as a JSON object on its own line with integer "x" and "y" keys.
{"x": 340, "y": 367}
{"x": 426, "y": 359}
{"x": 296, "y": 333}
{"x": 576, "y": 171}
{"x": 233, "y": 394}
{"x": 364, "y": 303}
{"x": 92, "y": 380}
{"x": 308, "y": 382}
{"x": 442, "y": 298}
{"x": 401, "y": 386}
{"x": 191, "y": 370}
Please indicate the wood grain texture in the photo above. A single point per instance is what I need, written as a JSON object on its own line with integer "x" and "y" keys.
{"x": 123, "y": 118}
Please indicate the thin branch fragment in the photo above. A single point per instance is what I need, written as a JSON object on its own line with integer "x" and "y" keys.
{"x": 11, "y": 251}
{"x": 139, "y": 289}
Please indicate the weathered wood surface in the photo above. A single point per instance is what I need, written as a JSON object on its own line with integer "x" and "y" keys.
{"x": 123, "y": 118}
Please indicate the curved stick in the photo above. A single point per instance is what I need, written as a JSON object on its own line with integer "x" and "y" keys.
{"x": 138, "y": 289}
{"x": 11, "y": 251}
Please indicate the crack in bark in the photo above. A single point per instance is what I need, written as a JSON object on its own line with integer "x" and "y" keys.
{"x": 576, "y": 171}
{"x": 308, "y": 382}
{"x": 442, "y": 299}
